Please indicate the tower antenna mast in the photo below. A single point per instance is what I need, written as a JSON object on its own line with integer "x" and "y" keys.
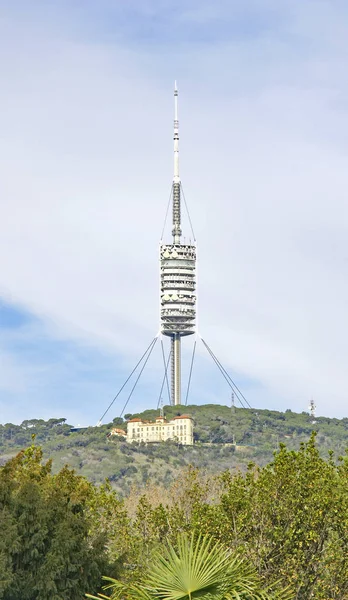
{"x": 233, "y": 404}
{"x": 312, "y": 409}
{"x": 176, "y": 179}
{"x": 178, "y": 277}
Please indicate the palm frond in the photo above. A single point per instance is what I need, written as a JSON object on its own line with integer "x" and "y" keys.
{"x": 196, "y": 566}
{"x": 122, "y": 590}
{"x": 196, "y": 569}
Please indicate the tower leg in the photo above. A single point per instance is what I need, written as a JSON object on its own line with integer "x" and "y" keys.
{"x": 176, "y": 369}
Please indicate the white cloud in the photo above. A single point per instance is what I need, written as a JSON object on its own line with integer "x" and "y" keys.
{"x": 86, "y": 160}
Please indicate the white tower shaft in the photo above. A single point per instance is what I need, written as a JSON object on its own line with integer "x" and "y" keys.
{"x": 178, "y": 278}
{"x": 176, "y": 369}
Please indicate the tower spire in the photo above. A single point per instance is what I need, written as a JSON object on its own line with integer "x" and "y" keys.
{"x": 178, "y": 278}
{"x": 176, "y": 179}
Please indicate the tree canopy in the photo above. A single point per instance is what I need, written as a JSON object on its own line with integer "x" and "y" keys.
{"x": 47, "y": 547}
{"x": 284, "y": 524}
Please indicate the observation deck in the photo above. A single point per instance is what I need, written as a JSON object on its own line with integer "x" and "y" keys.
{"x": 178, "y": 285}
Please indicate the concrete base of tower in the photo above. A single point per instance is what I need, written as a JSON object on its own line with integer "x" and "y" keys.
{"x": 176, "y": 369}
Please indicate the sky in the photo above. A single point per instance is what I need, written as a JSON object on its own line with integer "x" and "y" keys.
{"x": 86, "y": 112}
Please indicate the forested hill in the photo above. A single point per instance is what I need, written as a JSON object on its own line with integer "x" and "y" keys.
{"x": 224, "y": 438}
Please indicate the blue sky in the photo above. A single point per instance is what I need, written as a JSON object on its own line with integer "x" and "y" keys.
{"x": 86, "y": 154}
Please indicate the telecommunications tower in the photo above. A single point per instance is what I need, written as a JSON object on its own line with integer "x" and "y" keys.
{"x": 178, "y": 277}
{"x": 177, "y": 301}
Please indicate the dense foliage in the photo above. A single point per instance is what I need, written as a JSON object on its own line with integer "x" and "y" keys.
{"x": 196, "y": 567}
{"x": 287, "y": 521}
{"x": 224, "y": 439}
{"x": 48, "y": 546}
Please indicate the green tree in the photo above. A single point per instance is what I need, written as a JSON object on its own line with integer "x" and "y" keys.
{"x": 47, "y": 551}
{"x": 289, "y": 519}
{"x": 194, "y": 568}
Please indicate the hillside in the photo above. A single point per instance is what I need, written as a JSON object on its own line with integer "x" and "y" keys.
{"x": 223, "y": 440}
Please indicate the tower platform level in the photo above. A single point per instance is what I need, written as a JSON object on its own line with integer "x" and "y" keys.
{"x": 178, "y": 285}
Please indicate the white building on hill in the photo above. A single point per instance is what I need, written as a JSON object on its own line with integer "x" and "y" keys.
{"x": 179, "y": 429}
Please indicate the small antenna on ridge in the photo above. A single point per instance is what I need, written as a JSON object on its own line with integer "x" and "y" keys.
{"x": 312, "y": 408}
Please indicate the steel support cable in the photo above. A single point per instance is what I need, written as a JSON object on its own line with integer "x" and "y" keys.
{"x": 228, "y": 381}
{"x": 163, "y": 382}
{"x": 140, "y": 373}
{"x": 165, "y": 364}
{"x": 237, "y": 391}
{"x": 160, "y": 394}
{"x": 218, "y": 366}
{"x": 188, "y": 213}
{"x": 227, "y": 377}
{"x": 190, "y": 374}
{"x": 167, "y": 211}
{"x": 128, "y": 378}
{"x": 233, "y": 383}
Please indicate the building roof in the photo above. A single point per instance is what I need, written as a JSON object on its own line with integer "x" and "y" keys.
{"x": 182, "y": 417}
{"x": 158, "y": 419}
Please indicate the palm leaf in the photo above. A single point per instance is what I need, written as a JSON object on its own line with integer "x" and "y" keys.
{"x": 199, "y": 568}
{"x": 196, "y": 569}
{"x": 196, "y": 566}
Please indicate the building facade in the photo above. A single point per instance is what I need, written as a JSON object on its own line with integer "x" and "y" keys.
{"x": 178, "y": 429}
